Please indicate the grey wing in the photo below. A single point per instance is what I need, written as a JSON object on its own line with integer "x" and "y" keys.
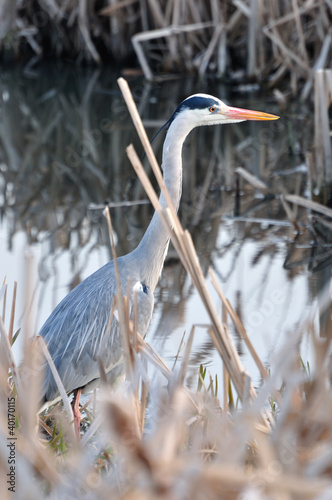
{"x": 78, "y": 332}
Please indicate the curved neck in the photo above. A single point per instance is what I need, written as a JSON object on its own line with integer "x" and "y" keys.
{"x": 154, "y": 245}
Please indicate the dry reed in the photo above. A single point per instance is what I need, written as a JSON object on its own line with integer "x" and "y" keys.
{"x": 323, "y": 141}
{"x": 281, "y": 44}
{"x": 152, "y": 440}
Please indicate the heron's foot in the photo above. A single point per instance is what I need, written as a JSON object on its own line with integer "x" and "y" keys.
{"x": 77, "y": 413}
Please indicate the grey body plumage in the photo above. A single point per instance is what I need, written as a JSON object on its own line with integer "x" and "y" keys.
{"x": 78, "y": 332}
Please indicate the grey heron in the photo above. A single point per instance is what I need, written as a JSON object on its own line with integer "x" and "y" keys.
{"x": 78, "y": 333}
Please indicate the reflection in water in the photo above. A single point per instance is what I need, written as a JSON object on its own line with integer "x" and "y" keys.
{"x": 63, "y": 136}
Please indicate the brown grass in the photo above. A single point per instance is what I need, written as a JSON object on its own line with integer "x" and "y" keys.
{"x": 152, "y": 440}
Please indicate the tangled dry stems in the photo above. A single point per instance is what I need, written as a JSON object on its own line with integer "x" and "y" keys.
{"x": 155, "y": 438}
{"x": 280, "y": 43}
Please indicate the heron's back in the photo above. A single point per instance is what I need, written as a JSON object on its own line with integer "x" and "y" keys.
{"x": 78, "y": 332}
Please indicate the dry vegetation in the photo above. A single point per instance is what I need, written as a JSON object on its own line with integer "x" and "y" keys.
{"x": 153, "y": 437}
{"x": 150, "y": 440}
{"x": 279, "y": 43}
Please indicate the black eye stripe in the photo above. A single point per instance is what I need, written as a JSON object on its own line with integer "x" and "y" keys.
{"x": 198, "y": 102}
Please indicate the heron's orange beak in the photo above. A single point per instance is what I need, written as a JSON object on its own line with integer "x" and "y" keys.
{"x": 247, "y": 114}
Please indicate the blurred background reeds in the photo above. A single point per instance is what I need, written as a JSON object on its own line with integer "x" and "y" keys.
{"x": 279, "y": 43}
{"x": 257, "y": 202}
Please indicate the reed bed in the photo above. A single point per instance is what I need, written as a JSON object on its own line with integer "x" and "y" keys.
{"x": 281, "y": 44}
{"x": 153, "y": 437}
{"x": 322, "y": 160}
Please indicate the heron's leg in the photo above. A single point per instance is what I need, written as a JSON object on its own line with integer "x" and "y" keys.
{"x": 76, "y": 411}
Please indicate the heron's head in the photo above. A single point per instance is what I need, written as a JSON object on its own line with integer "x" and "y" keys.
{"x": 204, "y": 109}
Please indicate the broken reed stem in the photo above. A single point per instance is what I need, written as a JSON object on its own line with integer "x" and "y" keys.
{"x": 110, "y": 231}
{"x": 127, "y": 95}
{"x": 58, "y": 382}
{"x": 226, "y": 381}
{"x": 185, "y": 248}
{"x": 311, "y": 205}
{"x": 12, "y": 314}
{"x": 186, "y": 357}
{"x": 10, "y": 358}
{"x": 224, "y": 371}
{"x": 135, "y": 320}
{"x": 11, "y": 325}
{"x": 323, "y": 150}
{"x": 239, "y": 326}
{"x": 153, "y": 356}
{"x": 253, "y": 180}
{"x": 4, "y": 303}
{"x": 144, "y": 397}
{"x": 176, "y": 359}
{"x": 182, "y": 241}
{"x": 119, "y": 299}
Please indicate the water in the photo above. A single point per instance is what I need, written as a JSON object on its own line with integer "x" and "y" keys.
{"x": 63, "y": 134}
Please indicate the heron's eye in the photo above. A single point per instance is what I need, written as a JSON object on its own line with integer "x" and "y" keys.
{"x": 212, "y": 109}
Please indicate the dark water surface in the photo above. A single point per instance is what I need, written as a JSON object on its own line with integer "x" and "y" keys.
{"x": 63, "y": 134}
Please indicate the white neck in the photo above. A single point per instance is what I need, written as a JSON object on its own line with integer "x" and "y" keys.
{"x": 154, "y": 245}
